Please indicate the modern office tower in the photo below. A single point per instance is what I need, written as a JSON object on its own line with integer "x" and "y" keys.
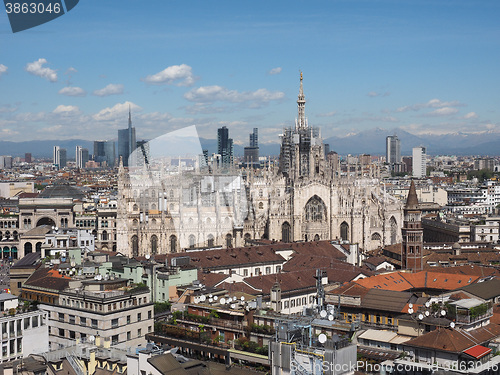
{"x": 5, "y": 162}
{"x": 104, "y": 152}
{"x": 419, "y": 164}
{"x": 55, "y": 156}
{"x": 82, "y": 156}
{"x": 251, "y": 153}
{"x": 62, "y": 157}
{"x": 327, "y": 149}
{"x": 126, "y": 141}
{"x": 254, "y": 138}
{"x": 59, "y": 157}
{"x": 27, "y": 157}
{"x": 224, "y": 147}
{"x": 393, "y": 149}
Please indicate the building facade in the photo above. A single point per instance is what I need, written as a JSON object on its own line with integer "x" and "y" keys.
{"x": 305, "y": 199}
{"x": 419, "y": 162}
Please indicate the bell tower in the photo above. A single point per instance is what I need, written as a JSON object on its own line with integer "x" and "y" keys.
{"x": 413, "y": 233}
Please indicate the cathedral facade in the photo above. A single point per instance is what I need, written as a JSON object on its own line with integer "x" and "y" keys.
{"x": 303, "y": 198}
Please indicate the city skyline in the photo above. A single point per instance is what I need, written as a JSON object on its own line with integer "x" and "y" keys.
{"x": 419, "y": 66}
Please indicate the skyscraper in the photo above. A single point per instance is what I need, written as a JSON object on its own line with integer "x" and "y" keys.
{"x": 55, "y": 156}
{"x": 251, "y": 153}
{"x": 27, "y": 157}
{"x": 62, "y": 157}
{"x": 82, "y": 156}
{"x": 254, "y": 138}
{"x": 393, "y": 149}
{"x": 419, "y": 163}
{"x": 59, "y": 157}
{"x": 224, "y": 147}
{"x": 126, "y": 141}
{"x": 104, "y": 151}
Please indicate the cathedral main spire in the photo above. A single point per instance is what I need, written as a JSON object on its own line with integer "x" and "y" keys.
{"x": 301, "y": 103}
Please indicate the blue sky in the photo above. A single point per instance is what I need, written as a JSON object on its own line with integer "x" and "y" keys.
{"x": 423, "y": 66}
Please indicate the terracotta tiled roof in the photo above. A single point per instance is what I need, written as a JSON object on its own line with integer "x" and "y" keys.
{"x": 455, "y": 340}
{"x": 223, "y": 258}
{"x": 444, "y": 339}
{"x": 301, "y": 279}
{"x": 48, "y": 278}
{"x": 211, "y": 279}
{"x": 405, "y": 281}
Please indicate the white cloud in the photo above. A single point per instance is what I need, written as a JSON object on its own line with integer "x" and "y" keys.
{"x": 275, "y": 71}
{"x": 72, "y": 91}
{"x": 36, "y": 68}
{"x": 470, "y": 115}
{"x": 118, "y": 112}
{"x": 181, "y": 75}
{"x": 433, "y": 103}
{"x": 71, "y": 70}
{"x": 3, "y": 69}
{"x": 111, "y": 89}
{"x": 210, "y": 94}
{"x": 445, "y": 111}
{"x": 66, "y": 110}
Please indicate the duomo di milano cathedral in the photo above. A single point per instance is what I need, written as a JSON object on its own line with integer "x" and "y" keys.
{"x": 170, "y": 202}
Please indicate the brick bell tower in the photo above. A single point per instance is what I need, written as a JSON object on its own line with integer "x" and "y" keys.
{"x": 413, "y": 233}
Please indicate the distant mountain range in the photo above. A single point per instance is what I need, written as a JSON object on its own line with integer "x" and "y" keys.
{"x": 370, "y": 141}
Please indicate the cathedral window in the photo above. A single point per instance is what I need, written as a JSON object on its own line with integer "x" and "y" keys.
{"x": 173, "y": 244}
{"x": 210, "y": 241}
{"x": 135, "y": 246}
{"x": 315, "y": 210}
{"x": 344, "y": 231}
{"x": 192, "y": 241}
{"x": 154, "y": 245}
{"x": 286, "y": 232}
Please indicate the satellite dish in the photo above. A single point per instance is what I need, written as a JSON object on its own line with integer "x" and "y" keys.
{"x": 222, "y": 300}
{"x": 452, "y": 325}
{"x": 427, "y": 313}
{"x": 427, "y": 304}
{"x": 233, "y": 306}
{"x": 216, "y": 298}
{"x": 410, "y": 311}
{"x": 410, "y": 305}
{"x": 234, "y": 298}
{"x": 203, "y": 298}
{"x": 148, "y": 256}
{"x": 443, "y": 312}
{"x": 210, "y": 296}
{"x": 56, "y": 229}
{"x": 242, "y": 298}
{"x": 420, "y": 316}
{"x": 210, "y": 300}
{"x": 92, "y": 338}
{"x": 322, "y": 338}
{"x": 323, "y": 313}
{"x": 330, "y": 318}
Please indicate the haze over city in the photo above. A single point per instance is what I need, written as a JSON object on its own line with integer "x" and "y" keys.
{"x": 420, "y": 66}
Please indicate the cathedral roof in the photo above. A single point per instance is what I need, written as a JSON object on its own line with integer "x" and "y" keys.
{"x": 412, "y": 200}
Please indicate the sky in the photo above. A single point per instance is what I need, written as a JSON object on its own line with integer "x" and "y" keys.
{"x": 428, "y": 67}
